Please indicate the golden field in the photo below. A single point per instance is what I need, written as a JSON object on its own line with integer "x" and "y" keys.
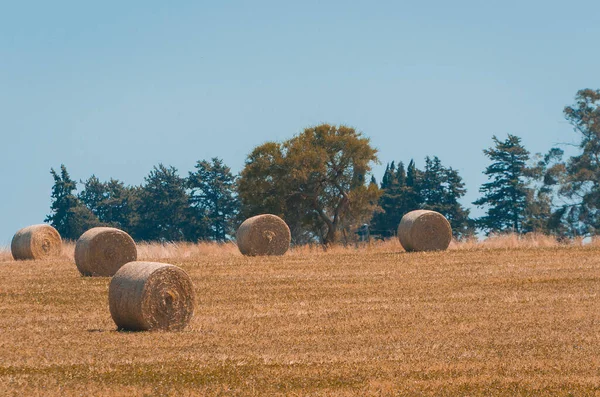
{"x": 503, "y": 317}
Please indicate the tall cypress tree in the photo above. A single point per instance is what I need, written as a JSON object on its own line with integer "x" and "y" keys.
{"x": 401, "y": 174}
{"x": 411, "y": 191}
{"x": 387, "y": 177}
{"x": 435, "y": 188}
{"x": 386, "y": 221}
{"x": 505, "y": 196}
{"x": 400, "y": 194}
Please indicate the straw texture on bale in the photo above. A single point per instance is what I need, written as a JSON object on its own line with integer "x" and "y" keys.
{"x": 263, "y": 235}
{"x": 145, "y": 296}
{"x": 101, "y": 251}
{"x": 424, "y": 230}
{"x": 36, "y": 242}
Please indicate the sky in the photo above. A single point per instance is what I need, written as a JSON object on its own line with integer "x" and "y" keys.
{"x": 113, "y": 88}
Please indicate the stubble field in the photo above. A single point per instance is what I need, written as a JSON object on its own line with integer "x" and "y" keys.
{"x": 470, "y": 321}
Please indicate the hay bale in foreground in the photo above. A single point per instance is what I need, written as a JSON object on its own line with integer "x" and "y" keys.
{"x": 101, "y": 251}
{"x": 263, "y": 235}
{"x": 36, "y": 242}
{"x": 424, "y": 230}
{"x": 145, "y": 296}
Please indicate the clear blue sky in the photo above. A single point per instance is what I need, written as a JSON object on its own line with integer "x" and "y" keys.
{"x": 112, "y": 88}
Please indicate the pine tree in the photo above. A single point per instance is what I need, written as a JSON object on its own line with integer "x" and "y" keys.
{"x": 457, "y": 215}
{"x": 164, "y": 206}
{"x": 68, "y": 215}
{"x": 93, "y": 195}
{"x": 431, "y": 188}
{"x": 440, "y": 190}
{"x": 506, "y": 195}
{"x": 213, "y": 197}
{"x": 112, "y": 202}
{"x": 578, "y": 178}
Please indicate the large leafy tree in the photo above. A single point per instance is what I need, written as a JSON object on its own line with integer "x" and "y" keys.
{"x": 164, "y": 206}
{"x": 316, "y": 181}
{"x": 213, "y": 197}
{"x": 68, "y": 215}
{"x": 506, "y": 195}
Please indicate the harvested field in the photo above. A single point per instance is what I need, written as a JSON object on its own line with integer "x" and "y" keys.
{"x": 373, "y": 321}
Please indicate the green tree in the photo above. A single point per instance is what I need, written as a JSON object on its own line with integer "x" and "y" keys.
{"x": 164, "y": 206}
{"x": 93, "y": 195}
{"x": 388, "y": 176}
{"x": 505, "y": 196}
{"x": 113, "y": 203}
{"x": 385, "y": 222}
{"x": 263, "y": 168}
{"x": 213, "y": 197}
{"x": 316, "y": 181}
{"x": 578, "y": 178}
{"x": 440, "y": 189}
{"x": 68, "y": 215}
{"x": 411, "y": 192}
{"x": 435, "y": 188}
{"x": 431, "y": 187}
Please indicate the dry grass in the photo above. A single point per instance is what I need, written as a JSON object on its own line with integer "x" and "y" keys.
{"x": 475, "y": 320}
{"x": 184, "y": 250}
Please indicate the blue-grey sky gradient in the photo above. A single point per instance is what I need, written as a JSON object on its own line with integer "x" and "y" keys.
{"x": 112, "y": 88}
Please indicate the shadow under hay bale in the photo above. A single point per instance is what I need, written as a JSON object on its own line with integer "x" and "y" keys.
{"x": 101, "y": 251}
{"x": 36, "y": 242}
{"x": 424, "y": 230}
{"x": 263, "y": 235}
{"x": 145, "y": 296}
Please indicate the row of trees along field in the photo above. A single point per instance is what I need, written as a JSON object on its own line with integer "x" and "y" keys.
{"x": 318, "y": 181}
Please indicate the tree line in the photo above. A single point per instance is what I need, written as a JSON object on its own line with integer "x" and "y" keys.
{"x": 166, "y": 207}
{"x": 320, "y": 183}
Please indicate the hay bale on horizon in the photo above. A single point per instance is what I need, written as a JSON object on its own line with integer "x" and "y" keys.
{"x": 36, "y": 242}
{"x": 424, "y": 230}
{"x": 101, "y": 251}
{"x": 145, "y": 296}
{"x": 265, "y": 234}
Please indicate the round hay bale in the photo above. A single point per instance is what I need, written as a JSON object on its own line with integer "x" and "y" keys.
{"x": 101, "y": 251}
{"x": 36, "y": 242}
{"x": 263, "y": 235}
{"x": 424, "y": 230}
{"x": 145, "y": 296}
